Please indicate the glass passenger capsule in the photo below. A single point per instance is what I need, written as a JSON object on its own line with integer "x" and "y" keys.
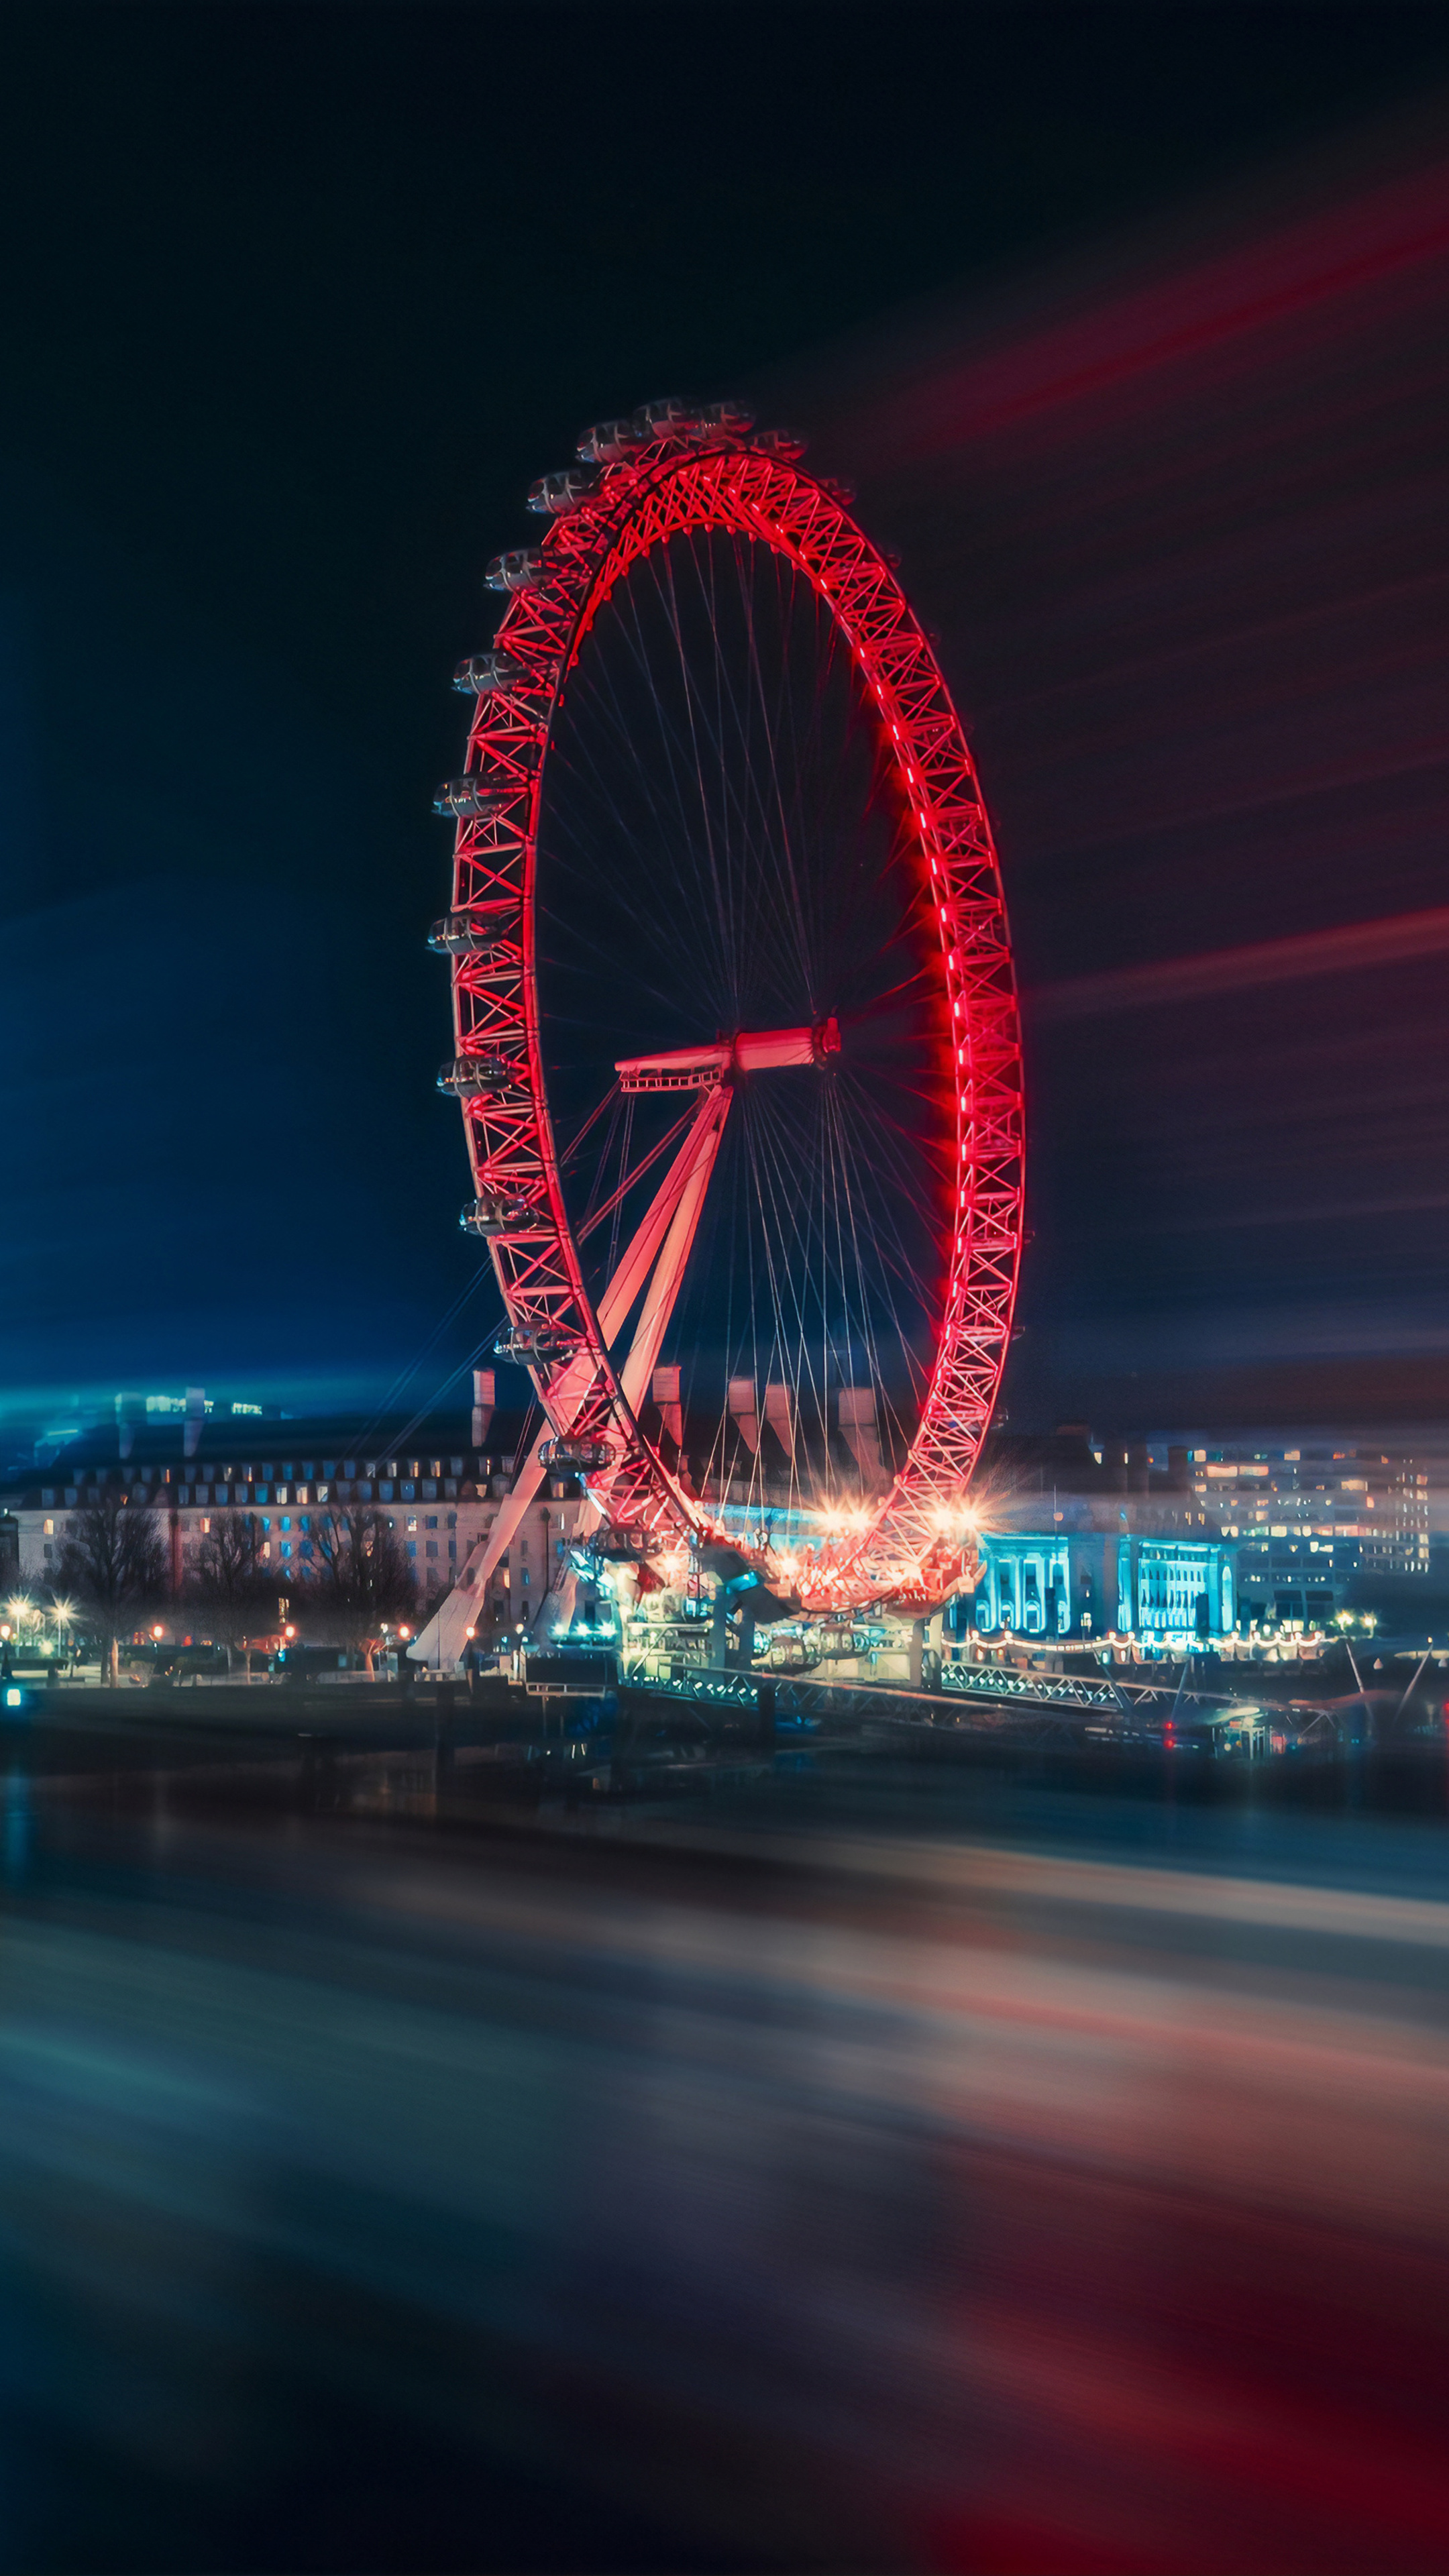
{"x": 521, "y": 568}
{"x": 482, "y": 673}
{"x": 552, "y": 494}
{"x": 494, "y": 1214}
{"x": 735, "y": 418}
{"x": 463, "y": 934}
{"x": 620, "y": 1545}
{"x": 575, "y": 1457}
{"x": 471, "y": 1077}
{"x": 470, "y": 799}
{"x": 609, "y": 442}
{"x": 780, "y": 443}
{"x": 534, "y": 1345}
{"x": 669, "y": 418}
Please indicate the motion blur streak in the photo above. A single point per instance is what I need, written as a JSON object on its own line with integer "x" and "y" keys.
{"x": 1236, "y": 970}
{"x": 1197, "y": 310}
{"x": 1179, "y": 502}
{"x": 713, "y": 2200}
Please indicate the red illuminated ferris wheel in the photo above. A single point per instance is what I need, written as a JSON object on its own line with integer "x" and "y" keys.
{"x": 736, "y": 1032}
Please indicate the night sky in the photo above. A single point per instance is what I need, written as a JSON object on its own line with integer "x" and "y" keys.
{"x": 1128, "y": 324}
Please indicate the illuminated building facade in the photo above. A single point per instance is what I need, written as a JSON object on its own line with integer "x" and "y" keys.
{"x": 1309, "y": 1522}
{"x": 194, "y": 1474}
{"x": 1079, "y": 1584}
{"x": 1300, "y": 1530}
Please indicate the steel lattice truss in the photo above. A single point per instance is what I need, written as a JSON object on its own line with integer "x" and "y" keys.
{"x": 707, "y": 480}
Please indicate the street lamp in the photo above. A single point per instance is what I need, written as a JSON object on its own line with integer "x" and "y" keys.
{"x": 63, "y": 1615}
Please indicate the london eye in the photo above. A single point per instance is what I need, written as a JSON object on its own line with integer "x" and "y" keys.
{"x": 736, "y": 1040}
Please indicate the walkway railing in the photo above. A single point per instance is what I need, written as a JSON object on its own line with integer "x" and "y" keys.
{"x": 1076, "y": 1690}
{"x": 1004, "y": 1685}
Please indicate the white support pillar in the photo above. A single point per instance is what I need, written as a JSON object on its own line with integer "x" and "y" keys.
{"x": 649, "y": 1332}
{"x": 672, "y": 1220}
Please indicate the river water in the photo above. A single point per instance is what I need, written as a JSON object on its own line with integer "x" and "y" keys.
{"x": 867, "y": 2170}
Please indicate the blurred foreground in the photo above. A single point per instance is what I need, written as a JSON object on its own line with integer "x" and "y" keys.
{"x": 872, "y": 2166}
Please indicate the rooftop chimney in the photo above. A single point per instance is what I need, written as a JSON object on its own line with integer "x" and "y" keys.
{"x": 744, "y": 1410}
{"x": 857, "y": 1421}
{"x": 665, "y": 1391}
{"x": 779, "y": 1413}
{"x": 483, "y": 1403}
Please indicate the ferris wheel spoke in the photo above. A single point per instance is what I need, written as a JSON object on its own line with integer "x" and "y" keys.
{"x": 672, "y": 811}
{"x": 800, "y": 1346}
{"x": 708, "y": 839}
{"x": 755, "y": 779}
{"x": 875, "y": 1213}
{"x": 589, "y": 1224}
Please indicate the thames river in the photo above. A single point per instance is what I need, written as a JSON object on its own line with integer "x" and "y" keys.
{"x": 865, "y": 2169}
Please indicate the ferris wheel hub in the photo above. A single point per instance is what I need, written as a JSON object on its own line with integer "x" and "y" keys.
{"x": 751, "y": 1051}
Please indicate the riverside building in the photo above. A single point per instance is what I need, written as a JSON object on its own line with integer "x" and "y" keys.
{"x": 1174, "y": 1541}
{"x": 440, "y": 1492}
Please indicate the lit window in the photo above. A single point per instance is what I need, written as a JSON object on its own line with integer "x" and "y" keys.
{"x": 412, "y": 1524}
{"x": 203, "y": 1524}
{"x": 49, "y": 1528}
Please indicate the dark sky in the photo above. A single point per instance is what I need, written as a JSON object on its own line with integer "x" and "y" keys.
{"x": 297, "y": 301}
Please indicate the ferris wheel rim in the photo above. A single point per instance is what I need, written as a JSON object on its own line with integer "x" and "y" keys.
{"x": 737, "y": 485}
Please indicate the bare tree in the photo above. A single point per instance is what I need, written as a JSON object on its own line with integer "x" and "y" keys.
{"x": 233, "y": 1591}
{"x": 361, "y": 1577}
{"x": 114, "y": 1565}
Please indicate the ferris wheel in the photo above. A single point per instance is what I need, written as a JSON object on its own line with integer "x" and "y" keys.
{"x": 736, "y": 1039}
